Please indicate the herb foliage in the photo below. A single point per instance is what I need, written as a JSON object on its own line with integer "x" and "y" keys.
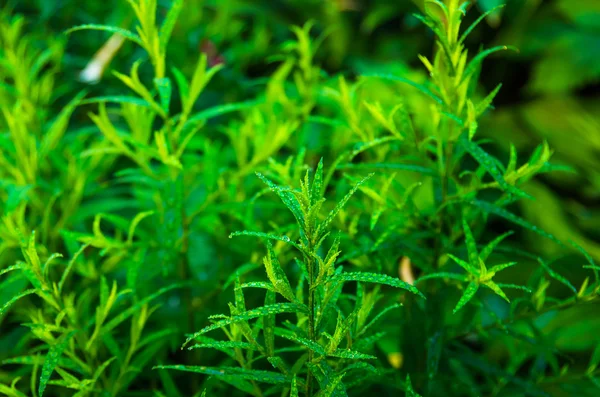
{"x": 356, "y": 228}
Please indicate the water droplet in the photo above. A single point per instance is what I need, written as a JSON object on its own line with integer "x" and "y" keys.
{"x": 285, "y": 238}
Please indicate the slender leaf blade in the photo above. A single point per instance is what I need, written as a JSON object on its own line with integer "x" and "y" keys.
{"x": 255, "y": 375}
{"x": 129, "y": 35}
{"x": 252, "y": 314}
{"x": 52, "y": 361}
{"x": 466, "y": 297}
{"x": 376, "y": 279}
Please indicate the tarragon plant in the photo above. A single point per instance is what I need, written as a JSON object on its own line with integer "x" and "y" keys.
{"x": 351, "y": 218}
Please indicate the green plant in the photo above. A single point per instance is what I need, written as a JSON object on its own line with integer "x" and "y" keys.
{"x": 427, "y": 271}
{"x": 327, "y": 351}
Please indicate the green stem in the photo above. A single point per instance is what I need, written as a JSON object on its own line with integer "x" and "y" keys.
{"x": 311, "y": 321}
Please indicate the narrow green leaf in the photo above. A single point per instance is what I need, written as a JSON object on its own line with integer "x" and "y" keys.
{"x": 437, "y": 11}
{"x": 221, "y": 110}
{"x": 364, "y": 146}
{"x": 342, "y": 329}
{"x": 59, "y": 126}
{"x": 493, "y": 209}
{"x": 223, "y": 345}
{"x": 323, "y": 226}
{"x": 514, "y": 286}
{"x": 557, "y": 276}
{"x": 489, "y": 248}
{"x": 380, "y": 315}
{"x": 314, "y": 346}
{"x": 52, "y": 360}
{"x": 240, "y": 300}
{"x": 112, "y": 29}
{"x": 497, "y": 290}
{"x": 287, "y": 197}
{"x": 269, "y": 325}
{"x": 476, "y": 22}
{"x": 368, "y": 342}
{"x": 135, "y": 222}
{"x": 487, "y": 101}
{"x": 512, "y": 161}
{"x": 377, "y": 279}
{"x": 102, "y": 367}
{"x": 325, "y": 121}
{"x": 116, "y": 99}
{"x": 467, "y": 295}
{"x": 241, "y": 373}
{"x": 278, "y": 363}
{"x": 351, "y": 354}
{"x": 169, "y": 385}
{"x": 497, "y": 268}
{"x": 472, "y": 120}
{"x": 168, "y": 24}
{"x": 589, "y": 258}
{"x": 38, "y": 360}
{"x": 11, "y": 391}
{"x": 387, "y": 167}
{"x": 489, "y": 164}
{"x": 548, "y": 167}
{"x": 406, "y": 124}
{"x": 444, "y": 275}
{"x": 33, "y": 270}
{"x": 325, "y": 375}
{"x": 11, "y": 268}
{"x": 251, "y": 314}
{"x": 67, "y": 270}
{"x": 332, "y": 387}
{"x": 474, "y": 63}
{"x": 15, "y": 298}
{"x": 125, "y": 314}
{"x": 362, "y": 366}
{"x": 182, "y": 84}
{"x": 442, "y": 40}
{"x": 317, "y": 184}
{"x": 465, "y": 265}
{"x": 285, "y": 239}
{"x": 276, "y": 274}
{"x": 418, "y": 86}
{"x": 257, "y": 284}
